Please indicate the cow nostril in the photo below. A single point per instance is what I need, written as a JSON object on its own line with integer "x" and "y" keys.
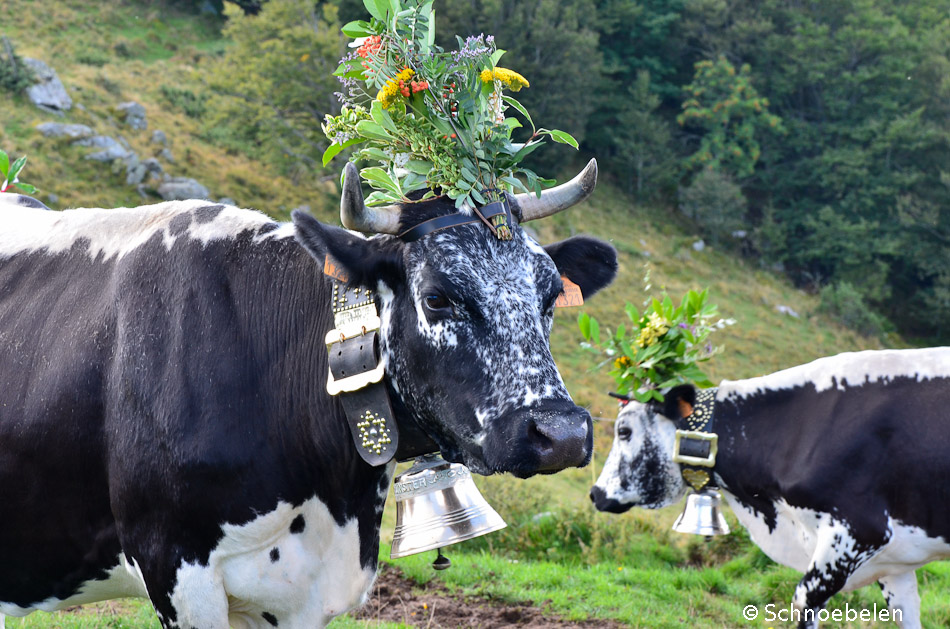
{"x": 540, "y": 439}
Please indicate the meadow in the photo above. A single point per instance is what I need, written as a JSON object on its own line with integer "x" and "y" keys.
{"x": 557, "y": 552}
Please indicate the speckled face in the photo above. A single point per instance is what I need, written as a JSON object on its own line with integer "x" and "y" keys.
{"x": 639, "y": 471}
{"x": 466, "y": 340}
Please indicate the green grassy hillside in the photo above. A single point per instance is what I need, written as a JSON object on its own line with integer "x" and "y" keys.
{"x": 112, "y": 51}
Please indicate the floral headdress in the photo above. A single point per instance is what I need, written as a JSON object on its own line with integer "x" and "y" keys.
{"x": 432, "y": 120}
{"x": 663, "y": 349}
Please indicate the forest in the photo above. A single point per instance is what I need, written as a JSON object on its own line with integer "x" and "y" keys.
{"x": 810, "y": 136}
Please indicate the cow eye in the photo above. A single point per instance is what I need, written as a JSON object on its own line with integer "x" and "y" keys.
{"x": 624, "y": 432}
{"x": 438, "y": 304}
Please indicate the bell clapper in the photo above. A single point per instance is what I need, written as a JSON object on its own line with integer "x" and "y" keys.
{"x": 441, "y": 561}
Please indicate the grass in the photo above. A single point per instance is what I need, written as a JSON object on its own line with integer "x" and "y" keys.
{"x": 629, "y": 567}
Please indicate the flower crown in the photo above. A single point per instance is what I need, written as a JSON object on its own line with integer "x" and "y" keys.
{"x": 432, "y": 120}
{"x": 664, "y": 347}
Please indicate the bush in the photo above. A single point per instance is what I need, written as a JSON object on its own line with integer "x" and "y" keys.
{"x": 845, "y": 303}
{"x": 716, "y": 203}
{"x": 186, "y": 100}
{"x": 14, "y": 75}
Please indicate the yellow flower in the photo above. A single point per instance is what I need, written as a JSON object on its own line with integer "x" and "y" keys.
{"x": 656, "y": 327}
{"x": 510, "y": 78}
{"x": 387, "y": 95}
{"x": 623, "y": 361}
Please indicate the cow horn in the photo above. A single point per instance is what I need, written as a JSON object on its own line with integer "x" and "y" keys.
{"x": 559, "y": 198}
{"x": 357, "y": 216}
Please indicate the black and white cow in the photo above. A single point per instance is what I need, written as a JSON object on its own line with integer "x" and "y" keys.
{"x": 837, "y": 468}
{"x": 165, "y": 428}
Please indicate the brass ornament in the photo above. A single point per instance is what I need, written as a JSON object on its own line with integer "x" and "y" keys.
{"x": 373, "y": 432}
{"x": 697, "y": 479}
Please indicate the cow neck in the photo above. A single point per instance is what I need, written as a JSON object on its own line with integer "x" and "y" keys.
{"x": 697, "y": 442}
{"x": 355, "y": 375}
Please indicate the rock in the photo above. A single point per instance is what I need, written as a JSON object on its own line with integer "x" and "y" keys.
{"x": 159, "y": 137}
{"x": 52, "y": 198}
{"x": 62, "y": 130}
{"x": 182, "y": 188}
{"x": 112, "y": 149}
{"x": 227, "y": 201}
{"x": 137, "y": 172}
{"x": 166, "y": 155}
{"x": 133, "y": 114}
{"x": 48, "y": 92}
{"x": 785, "y": 310}
{"x": 699, "y": 245}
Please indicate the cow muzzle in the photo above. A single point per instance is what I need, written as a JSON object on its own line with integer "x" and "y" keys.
{"x": 599, "y": 497}
{"x": 543, "y": 439}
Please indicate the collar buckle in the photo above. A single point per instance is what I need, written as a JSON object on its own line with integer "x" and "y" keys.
{"x": 697, "y": 448}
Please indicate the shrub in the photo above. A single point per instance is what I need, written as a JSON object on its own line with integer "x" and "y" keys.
{"x": 716, "y": 203}
{"x": 186, "y": 100}
{"x": 845, "y": 303}
{"x": 15, "y": 76}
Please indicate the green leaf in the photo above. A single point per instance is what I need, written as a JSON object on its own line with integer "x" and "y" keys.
{"x": 371, "y": 130}
{"x": 562, "y": 137}
{"x": 382, "y": 117}
{"x": 379, "y": 198}
{"x": 583, "y": 322}
{"x": 16, "y": 168}
{"x": 521, "y": 110}
{"x": 514, "y": 182}
{"x": 357, "y": 28}
{"x": 371, "y": 152}
{"x": 377, "y": 8}
{"x": 4, "y": 163}
{"x": 378, "y": 176}
{"x": 334, "y": 149}
{"x": 352, "y": 65}
{"x": 26, "y": 188}
{"x": 496, "y": 56}
{"x": 595, "y": 331}
{"x": 419, "y": 166}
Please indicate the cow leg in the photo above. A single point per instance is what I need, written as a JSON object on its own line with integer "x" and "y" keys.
{"x": 903, "y": 601}
{"x": 837, "y": 555}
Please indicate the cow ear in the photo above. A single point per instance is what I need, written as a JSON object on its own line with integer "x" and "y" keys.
{"x": 679, "y": 402}
{"x": 586, "y": 261}
{"x": 363, "y": 261}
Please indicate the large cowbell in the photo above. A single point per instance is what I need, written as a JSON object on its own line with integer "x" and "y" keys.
{"x": 702, "y": 514}
{"x": 438, "y": 504}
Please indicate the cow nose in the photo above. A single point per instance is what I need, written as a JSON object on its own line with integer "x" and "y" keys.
{"x": 597, "y": 495}
{"x": 560, "y": 440}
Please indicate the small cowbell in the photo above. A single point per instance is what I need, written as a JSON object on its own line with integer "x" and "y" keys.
{"x": 438, "y": 504}
{"x": 702, "y": 514}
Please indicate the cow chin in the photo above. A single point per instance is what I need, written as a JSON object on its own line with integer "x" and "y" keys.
{"x": 543, "y": 439}
{"x": 599, "y": 497}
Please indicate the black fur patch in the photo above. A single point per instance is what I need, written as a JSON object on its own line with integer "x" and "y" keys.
{"x": 271, "y": 618}
{"x": 588, "y": 262}
{"x": 298, "y": 525}
{"x": 275, "y": 554}
{"x": 208, "y": 213}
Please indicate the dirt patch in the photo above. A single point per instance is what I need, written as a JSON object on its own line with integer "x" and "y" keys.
{"x": 396, "y": 598}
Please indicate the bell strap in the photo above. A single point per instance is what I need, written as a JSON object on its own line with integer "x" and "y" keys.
{"x": 696, "y": 443}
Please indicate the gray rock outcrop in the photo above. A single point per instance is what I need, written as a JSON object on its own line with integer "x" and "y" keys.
{"x": 133, "y": 114}
{"x": 111, "y": 149}
{"x": 181, "y": 188}
{"x": 48, "y": 93}
{"x": 63, "y": 130}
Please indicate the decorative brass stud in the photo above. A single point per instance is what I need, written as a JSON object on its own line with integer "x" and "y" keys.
{"x": 373, "y": 432}
{"x": 697, "y": 479}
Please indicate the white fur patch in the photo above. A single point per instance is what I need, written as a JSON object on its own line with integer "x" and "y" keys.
{"x": 853, "y": 369}
{"x": 113, "y": 233}
{"x": 124, "y": 580}
{"x": 316, "y": 576}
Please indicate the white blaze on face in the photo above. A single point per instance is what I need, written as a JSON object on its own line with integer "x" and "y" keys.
{"x": 639, "y": 469}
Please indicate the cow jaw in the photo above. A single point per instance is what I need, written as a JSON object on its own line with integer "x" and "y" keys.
{"x": 639, "y": 471}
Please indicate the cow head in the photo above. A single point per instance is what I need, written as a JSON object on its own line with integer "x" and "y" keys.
{"x": 639, "y": 471}
{"x": 465, "y": 324}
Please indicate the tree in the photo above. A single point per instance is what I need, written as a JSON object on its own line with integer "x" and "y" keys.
{"x": 724, "y": 105}
{"x": 644, "y": 156}
{"x": 280, "y": 73}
